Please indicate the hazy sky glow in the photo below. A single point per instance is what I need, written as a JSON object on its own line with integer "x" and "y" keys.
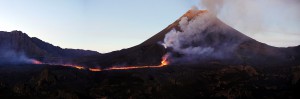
{"x": 101, "y": 25}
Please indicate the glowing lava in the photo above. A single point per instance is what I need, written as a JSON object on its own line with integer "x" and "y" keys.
{"x": 33, "y": 61}
{"x": 132, "y": 67}
{"x": 95, "y": 69}
{"x": 164, "y": 62}
{"x": 78, "y": 67}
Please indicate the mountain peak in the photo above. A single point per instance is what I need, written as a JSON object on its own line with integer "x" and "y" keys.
{"x": 188, "y": 16}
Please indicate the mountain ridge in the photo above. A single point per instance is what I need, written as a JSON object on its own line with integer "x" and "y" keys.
{"x": 32, "y": 47}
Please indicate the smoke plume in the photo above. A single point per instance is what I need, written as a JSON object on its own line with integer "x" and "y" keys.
{"x": 8, "y": 56}
{"x": 201, "y": 38}
{"x": 257, "y": 16}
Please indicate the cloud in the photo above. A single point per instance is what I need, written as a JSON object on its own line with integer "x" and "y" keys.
{"x": 258, "y": 16}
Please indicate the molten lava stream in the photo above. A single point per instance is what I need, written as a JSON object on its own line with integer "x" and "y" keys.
{"x": 95, "y": 69}
{"x": 33, "y": 61}
{"x": 78, "y": 67}
{"x": 164, "y": 62}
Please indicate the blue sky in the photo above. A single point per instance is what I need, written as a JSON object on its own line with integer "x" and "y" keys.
{"x": 101, "y": 25}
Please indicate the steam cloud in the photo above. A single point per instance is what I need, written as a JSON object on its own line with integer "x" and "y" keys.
{"x": 12, "y": 57}
{"x": 202, "y": 38}
{"x": 257, "y": 16}
{"x": 206, "y": 38}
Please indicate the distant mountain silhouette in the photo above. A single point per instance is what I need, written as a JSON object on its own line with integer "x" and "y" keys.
{"x": 19, "y": 42}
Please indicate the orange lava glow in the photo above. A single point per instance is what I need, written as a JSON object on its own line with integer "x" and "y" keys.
{"x": 36, "y": 61}
{"x": 95, "y": 69}
{"x": 164, "y": 62}
{"x": 132, "y": 67}
{"x": 78, "y": 67}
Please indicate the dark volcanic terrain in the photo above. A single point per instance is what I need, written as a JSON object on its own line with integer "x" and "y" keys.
{"x": 214, "y": 81}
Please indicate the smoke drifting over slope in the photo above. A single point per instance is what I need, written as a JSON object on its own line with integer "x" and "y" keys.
{"x": 201, "y": 38}
{"x": 259, "y": 17}
{"x": 13, "y": 57}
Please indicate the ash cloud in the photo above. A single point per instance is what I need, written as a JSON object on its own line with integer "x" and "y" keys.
{"x": 202, "y": 38}
{"x": 257, "y": 16}
{"x": 206, "y": 38}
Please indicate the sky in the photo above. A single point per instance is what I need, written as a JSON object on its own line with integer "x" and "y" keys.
{"x": 105, "y": 25}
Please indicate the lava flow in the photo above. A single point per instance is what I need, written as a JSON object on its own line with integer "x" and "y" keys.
{"x": 35, "y": 61}
{"x": 164, "y": 62}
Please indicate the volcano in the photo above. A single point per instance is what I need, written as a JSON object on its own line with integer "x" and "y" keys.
{"x": 198, "y": 37}
{"x": 198, "y": 54}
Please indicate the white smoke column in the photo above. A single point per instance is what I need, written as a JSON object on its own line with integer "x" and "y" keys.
{"x": 176, "y": 39}
{"x": 201, "y": 38}
{"x": 258, "y": 18}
